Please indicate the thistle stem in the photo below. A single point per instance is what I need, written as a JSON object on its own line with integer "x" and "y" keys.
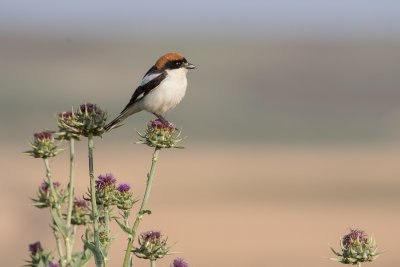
{"x": 139, "y": 216}
{"x": 56, "y": 207}
{"x": 71, "y": 181}
{"x": 59, "y": 246}
{"x": 107, "y": 229}
{"x": 359, "y": 264}
{"x": 95, "y": 215}
{"x": 152, "y": 263}
{"x": 69, "y": 240}
{"x": 51, "y": 185}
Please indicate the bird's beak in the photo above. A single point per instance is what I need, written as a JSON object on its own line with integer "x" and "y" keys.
{"x": 190, "y": 66}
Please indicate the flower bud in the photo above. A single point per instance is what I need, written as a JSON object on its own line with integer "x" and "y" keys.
{"x": 152, "y": 246}
{"x": 104, "y": 239}
{"x": 123, "y": 197}
{"x": 80, "y": 212}
{"x": 35, "y": 248}
{"x": 357, "y": 247}
{"x": 67, "y": 124}
{"x": 161, "y": 135}
{"x": 43, "y": 146}
{"x": 88, "y": 119}
{"x": 45, "y": 198}
{"x": 105, "y": 187}
{"x": 38, "y": 257}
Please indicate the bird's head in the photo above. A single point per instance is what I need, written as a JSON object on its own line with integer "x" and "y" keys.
{"x": 172, "y": 61}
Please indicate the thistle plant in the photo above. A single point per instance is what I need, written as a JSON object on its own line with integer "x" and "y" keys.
{"x": 43, "y": 146}
{"x": 357, "y": 248}
{"x": 97, "y": 209}
{"x": 158, "y": 135}
{"x": 38, "y": 257}
{"x": 151, "y": 246}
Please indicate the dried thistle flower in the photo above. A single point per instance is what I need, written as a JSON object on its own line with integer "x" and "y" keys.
{"x": 179, "y": 262}
{"x": 357, "y": 247}
{"x": 43, "y": 146}
{"x": 152, "y": 246}
{"x": 161, "y": 135}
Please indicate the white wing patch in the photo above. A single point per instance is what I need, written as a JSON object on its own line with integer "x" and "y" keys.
{"x": 149, "y": 77}
{"x": 140, "y": 96}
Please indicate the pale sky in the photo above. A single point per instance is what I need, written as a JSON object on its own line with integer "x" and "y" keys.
{"x": 286, "y": 17}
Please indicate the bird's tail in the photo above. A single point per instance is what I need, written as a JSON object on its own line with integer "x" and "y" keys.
{"x": 115, "y": 121}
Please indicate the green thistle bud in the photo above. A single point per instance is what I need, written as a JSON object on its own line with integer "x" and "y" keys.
{"x": 88, "y": 119}
{"x": 357, "y": 247}
{"x": 43, "y": 146}
{"x": 44, "y": 197}
{"x": 67, "y": 123}
{"x": 80, "y": 212}
{"x": 105, "y": 189}
{"x": 152, "y": 246}
{"x": 104, "y": 239}
{"x": 161, "y": 135}
{"x": 123, "y": 197}
{"x": 38, "y": 256}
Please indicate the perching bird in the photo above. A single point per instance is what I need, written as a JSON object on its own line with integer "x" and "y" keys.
{"x": 162, "y": 88}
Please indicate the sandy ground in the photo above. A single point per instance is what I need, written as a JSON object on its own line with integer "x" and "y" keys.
{"x": 226, "y": 205}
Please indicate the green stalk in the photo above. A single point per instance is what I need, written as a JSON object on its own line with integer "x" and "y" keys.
{"x": 152, "y": 263}
{"x": 359, "y": 264}
{"x": 126, "y": 217}
{"x": 95, "y": 215}
{"x": 57, "y": 208}
{"x": 107, "y": 229}
{"x": 52, "y": 190}
{"x": 69, "y": 240}
{"x": 139, "y": 216}
{"x": 59, "y": 246}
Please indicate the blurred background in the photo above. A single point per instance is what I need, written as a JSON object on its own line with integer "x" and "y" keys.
{"x": 292, "y": 120}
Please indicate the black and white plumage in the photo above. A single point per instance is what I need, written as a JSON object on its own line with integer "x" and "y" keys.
{"x": 161, "y": 89}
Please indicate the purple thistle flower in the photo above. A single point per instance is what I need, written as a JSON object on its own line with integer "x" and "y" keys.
{"x": 124, "y": 187}
{"x": 66, "y": 116}
{"x": 45, "y": 186}
{"x": 105, "y": 181}
{"x": 53, "y": 265}
{"x": 80, "y": 203}
{"x": 43, "y": 135}
{"x": 179, "y": 262}
{"x": 35, "y": 247}
{"x": 353, "y": 235}
{"x": 151, "y": 236}
{"x": 158, "y": 124}
{"x": 91, "y": 108}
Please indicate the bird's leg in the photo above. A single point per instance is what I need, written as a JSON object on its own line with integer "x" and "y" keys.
{"x": 161, "y": 118}
{"x": 164, "y": 121}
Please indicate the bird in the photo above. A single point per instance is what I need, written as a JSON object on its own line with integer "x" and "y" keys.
{"x": 162, "y": 88}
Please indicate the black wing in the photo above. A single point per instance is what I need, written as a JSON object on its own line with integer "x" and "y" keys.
{"x": 146, "y": 88}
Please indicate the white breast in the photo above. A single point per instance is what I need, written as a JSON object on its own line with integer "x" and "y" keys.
{"x": 168, "y": 94}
